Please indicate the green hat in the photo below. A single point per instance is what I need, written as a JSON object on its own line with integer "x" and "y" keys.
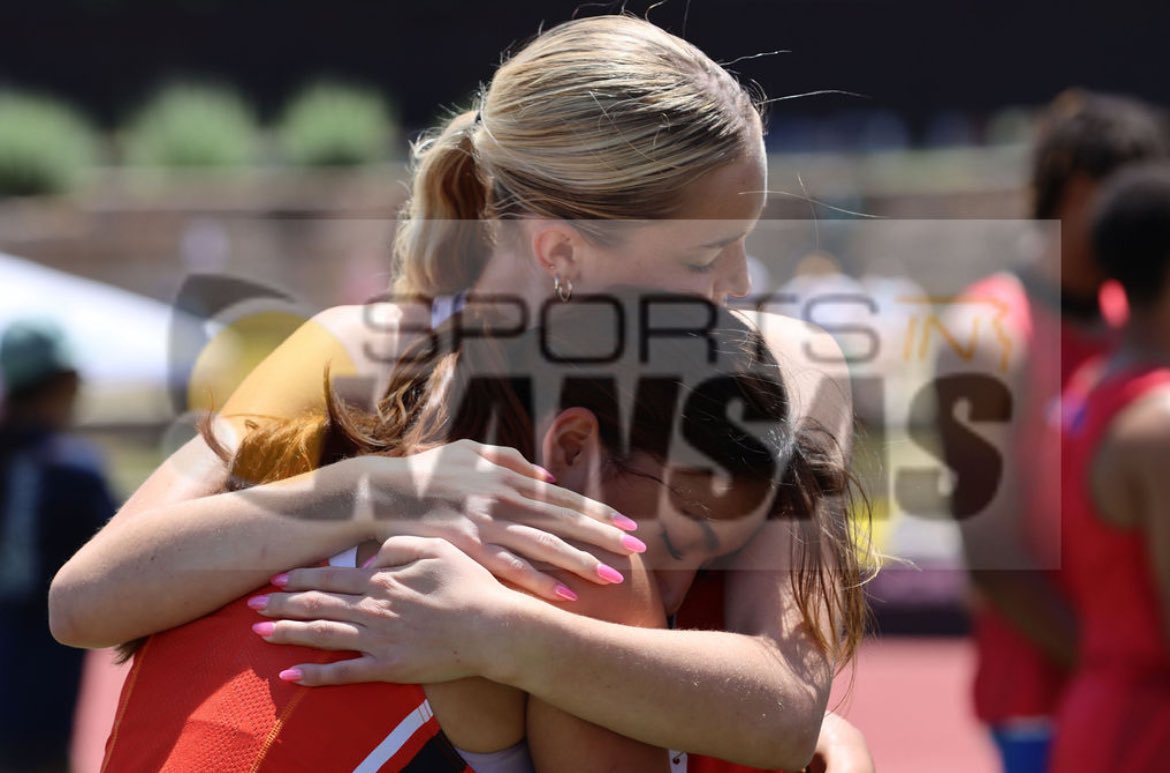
{"x": 32, "y": 350}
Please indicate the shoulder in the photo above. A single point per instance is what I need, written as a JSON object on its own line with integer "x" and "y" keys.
{"x": 1141, "y": 430}
{"x": 357, "y": 345}
{"x": 814, "y": 369}
{"x": 1128, "y": 468}
{"x": 990, "y": 324}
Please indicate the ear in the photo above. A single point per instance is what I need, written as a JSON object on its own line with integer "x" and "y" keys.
{"x": 558, "y": 248}
{"x": 571, "y": 449}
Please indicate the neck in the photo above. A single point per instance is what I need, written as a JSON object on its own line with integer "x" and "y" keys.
{"x": 1147, "y": 334}
{"x": 514, "y": 276}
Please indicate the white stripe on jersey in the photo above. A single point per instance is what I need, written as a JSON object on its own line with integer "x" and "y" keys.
{"x": 396, "y": 740}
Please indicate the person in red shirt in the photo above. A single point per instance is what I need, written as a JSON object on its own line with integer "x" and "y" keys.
{"x": 1116, "y": 712}
{"x": 1056, "y": 313}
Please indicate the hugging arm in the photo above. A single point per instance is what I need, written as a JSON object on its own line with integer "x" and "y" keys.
{"x": 178, "y": 549}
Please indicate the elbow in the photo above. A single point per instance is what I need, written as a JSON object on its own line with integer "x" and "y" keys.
{"x": 794, "y": 730}
{"x": 794, "y": 745}
{"x": 68, "y": 621}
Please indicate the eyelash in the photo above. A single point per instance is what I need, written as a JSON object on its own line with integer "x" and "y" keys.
{"x": 706, "y": 268}
{"x": 670, "y": 548}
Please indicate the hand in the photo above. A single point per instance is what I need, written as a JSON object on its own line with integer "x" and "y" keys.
{"x": 841, "y": 748}
{"x": 425, "y": 616}
{"x": 500, "y": 509}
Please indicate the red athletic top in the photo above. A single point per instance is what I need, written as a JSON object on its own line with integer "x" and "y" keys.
{"x": 1014, "y": 679}
{"x": 205, "y": 696}
{"x": 1116, "y": 712}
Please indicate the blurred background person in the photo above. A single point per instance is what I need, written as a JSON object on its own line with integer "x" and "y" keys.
{"x": 1116, "y": 712}
{"x": 1058, "y": 313}
{"x": 53, "y": 497}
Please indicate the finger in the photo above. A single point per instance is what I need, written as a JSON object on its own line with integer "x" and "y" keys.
{"x": 509, "y": 567}
{"x": 567, "y": 523}
{"x": 513, "y": 460}
{"x": 537, "y": 545}
{"x": 332, "y": 579}
{"x": 319, "y": 634}
{"x": 400, "y": 551}
{"x": 581, "y": 507}
{"x": 306, "y": 605}
{"x": 351, "y": 671}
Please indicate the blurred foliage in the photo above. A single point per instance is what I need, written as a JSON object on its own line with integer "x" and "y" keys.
{"x": 330, "y": 124}
{"x": 44, "y": 145}
{"x": 193, "y": 125}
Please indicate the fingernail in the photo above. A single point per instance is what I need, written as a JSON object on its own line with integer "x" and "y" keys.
{"x": 258, "y": 602}
{"x": 565, "y": 592}
{"x": 264, "y": 629}
{"x": 292, "y": 675}
{"x": 622, "y": 522}
{"x": 632, "y": 543}
{"x": 547, "y": 475}
{"x": 280, "y": 580}
{"x": 609, "y": 574}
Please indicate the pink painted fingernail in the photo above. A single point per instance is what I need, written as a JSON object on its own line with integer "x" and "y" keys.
{"x": 292, "y": 675}
{"x": 547, "y": 475}
{"x": 622, "y": 522}
{"x": 280, "y": 580}
{"x": 264, "y": 629}
{"x": 565, "y": 592}
{"x": 258, "y": 602}
{"x": 632, "y": 543}
{"x": 609, "y": 574}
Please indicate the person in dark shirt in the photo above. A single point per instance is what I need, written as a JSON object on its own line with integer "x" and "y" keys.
{"x": 53, "y": 498}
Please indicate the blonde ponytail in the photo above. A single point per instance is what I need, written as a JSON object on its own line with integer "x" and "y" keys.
{"x": 600, "y": 119}
{"x": 442, "y": 244}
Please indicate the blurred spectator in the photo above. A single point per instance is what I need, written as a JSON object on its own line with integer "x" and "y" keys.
{"x": 1115, "y": 714}
{"x": 1055, "y": 316}
{"x": 53, "y": 497}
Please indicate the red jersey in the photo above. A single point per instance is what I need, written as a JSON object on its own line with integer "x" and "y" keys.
{"x": 1116, "y": 712}
{"x": 1013, "y": 678}
{"x": 205, "y": 696}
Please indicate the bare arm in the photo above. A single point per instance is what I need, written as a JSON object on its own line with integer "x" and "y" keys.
{"x": 1130, "y": 487}
{"x": 177, "y": 550}
{"x": 174, "y": 551}
{"x": 989, "y": 501}
{"x": 560, "y": 741}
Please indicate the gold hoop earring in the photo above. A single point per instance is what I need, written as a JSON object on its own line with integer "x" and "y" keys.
{"x": 564, "y": 290}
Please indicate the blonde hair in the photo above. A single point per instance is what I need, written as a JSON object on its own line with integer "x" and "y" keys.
{"x": 603, "y": 118}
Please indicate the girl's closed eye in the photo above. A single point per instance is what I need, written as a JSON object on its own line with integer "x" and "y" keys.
{"x": 674, "y": 552}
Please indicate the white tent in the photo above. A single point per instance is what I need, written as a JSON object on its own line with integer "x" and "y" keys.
{"x": 120, "y": 339}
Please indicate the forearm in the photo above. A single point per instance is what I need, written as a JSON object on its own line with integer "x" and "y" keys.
{"x": 1030, "y": 602}
{"x": 167, "y": 565}
{"x": 721, "y": 694}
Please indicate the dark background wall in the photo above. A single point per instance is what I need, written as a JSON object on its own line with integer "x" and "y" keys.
{"x": 916, "y": 57}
